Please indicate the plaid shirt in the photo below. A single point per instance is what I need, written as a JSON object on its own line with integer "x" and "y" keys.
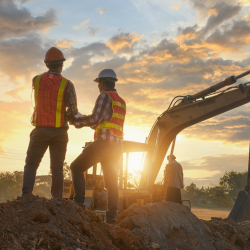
{"x": 102, "y": 112}
{"x": 70, "y": 101}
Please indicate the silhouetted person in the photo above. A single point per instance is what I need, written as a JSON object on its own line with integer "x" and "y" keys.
{"x": 173, "y": 180}
{"x": 55, "y": 105}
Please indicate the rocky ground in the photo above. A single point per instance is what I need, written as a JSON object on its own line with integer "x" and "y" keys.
{"x": 173, "y": 226}
{"x": 35, "y": 223}
{"x": 31, "y": 222}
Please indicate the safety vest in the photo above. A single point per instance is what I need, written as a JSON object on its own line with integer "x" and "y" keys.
{"x": 115, "y": 125}
{"x": 49, "y": 108}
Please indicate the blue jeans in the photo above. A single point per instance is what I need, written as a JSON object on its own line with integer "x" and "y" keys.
{"x": 108, "y": 154}
{"x": 40, "y": 139}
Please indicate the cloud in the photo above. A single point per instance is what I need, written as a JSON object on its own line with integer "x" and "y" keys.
{"x": 82, "y": 25}
{"x": 22, "y": 58}
{"x": 46, "y": 31}
{"x": 203, "y": 8}
{"x": 123, "y": 42}
{"x": 93, "y": 31}
{"x": 65, "y": 43}
{"x": 102, "y": 11}
{"x": 232, "y": 128}
{"x": 206, "y": 171}
{"x": 219, "y": 163}
{"x": 16, "y": 92}
{"x": 224, "y": 12}
{"x": 18, "y": 21}
{"x": 15, "y": 116}
{"x": 150, "y": 75}
{"x": 175, "y": 7}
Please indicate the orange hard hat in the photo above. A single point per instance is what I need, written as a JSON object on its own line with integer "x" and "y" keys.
{"x": 54, "y": 54}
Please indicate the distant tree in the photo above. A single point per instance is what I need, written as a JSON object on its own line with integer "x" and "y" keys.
{"x": 10, "y": 185}
{"x": 66, "y": 171}
{"x": 233, "y": 182}
{"x": 42, "y": 186}
{"x": 222, "y": 195}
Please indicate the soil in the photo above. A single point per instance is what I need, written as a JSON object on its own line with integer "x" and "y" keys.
{"x": 173, "y": 226}
{"x": 32, "y": 223}
{"x": 35, "y": 223}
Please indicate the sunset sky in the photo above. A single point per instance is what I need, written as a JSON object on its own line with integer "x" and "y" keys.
{"x": 158, "y": 48}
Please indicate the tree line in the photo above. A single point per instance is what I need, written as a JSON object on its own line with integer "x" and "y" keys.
{"x": 222, "y": 195}
{"x": 11, "y": 184}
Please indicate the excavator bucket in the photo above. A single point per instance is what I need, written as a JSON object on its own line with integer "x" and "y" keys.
{"x": 241, "y": 207}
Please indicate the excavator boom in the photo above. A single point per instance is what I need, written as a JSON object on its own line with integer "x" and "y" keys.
{"x": 187, "y": 113}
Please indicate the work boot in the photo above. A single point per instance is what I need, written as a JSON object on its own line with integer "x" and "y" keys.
{"x": 82, "y": 205}
{"x": 110, "y": 218}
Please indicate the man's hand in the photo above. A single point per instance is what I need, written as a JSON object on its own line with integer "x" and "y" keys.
{"x": 74, "y": 120}
{"x": 79, "y": 115}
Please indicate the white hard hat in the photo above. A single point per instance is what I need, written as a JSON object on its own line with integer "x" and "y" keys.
{"x": 107, "y": 73}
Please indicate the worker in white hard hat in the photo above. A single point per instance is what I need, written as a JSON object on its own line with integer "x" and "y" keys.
{"x": 107, "y": 119}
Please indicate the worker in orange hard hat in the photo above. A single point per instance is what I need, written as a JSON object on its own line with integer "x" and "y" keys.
{"x": 107, "y": 119}
{"x": 55, "y": 105}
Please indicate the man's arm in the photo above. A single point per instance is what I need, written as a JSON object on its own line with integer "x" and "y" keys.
{"x": 70, "y": 101}
{"x": 100, "y": 110}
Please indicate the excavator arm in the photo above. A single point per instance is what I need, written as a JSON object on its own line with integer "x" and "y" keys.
{"x": 191, "y": 110}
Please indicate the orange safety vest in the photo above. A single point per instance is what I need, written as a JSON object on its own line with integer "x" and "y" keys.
{"x": 49, "y": 107}
{"x": 115, "y": 125}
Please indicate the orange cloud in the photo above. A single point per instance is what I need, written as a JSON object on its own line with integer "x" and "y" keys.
{"x": 102, "y": 11}
{"x": 46, "y": 31}
{"x": 176, "y": 7}
{"x": 85, "y": 66}
{"x": 65, "y": 43}
{"x": 122, "y": 41}
{"x": 213, "y": 11}
{"x": 81, "y": 25}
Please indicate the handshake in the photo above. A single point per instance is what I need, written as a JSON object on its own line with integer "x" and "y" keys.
{"x": 76, "y": 119}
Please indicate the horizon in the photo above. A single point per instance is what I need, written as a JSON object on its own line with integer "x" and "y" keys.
{"x": 158, "y": 49}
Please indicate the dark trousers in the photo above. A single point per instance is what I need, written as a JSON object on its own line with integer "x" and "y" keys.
{"x": 40, "y": 139}
{"x": 108, "y": 154}
{"x": 174, "y": 195}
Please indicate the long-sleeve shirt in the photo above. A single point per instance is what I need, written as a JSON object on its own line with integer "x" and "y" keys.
{"x": 70, "y": 101}
{"x": 102, "y": 112}
{"x": 174, "y": 175}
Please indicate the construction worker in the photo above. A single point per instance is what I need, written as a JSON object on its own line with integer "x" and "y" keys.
{"x": 173, "y": 180}
{"x": 53, "y": 93}
{"x": 107, "y": 119}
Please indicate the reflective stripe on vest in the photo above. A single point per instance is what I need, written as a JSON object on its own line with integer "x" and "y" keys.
{"x": 110, "y": 124}
{"x": 59, "y": 100}
{"x": 36, "y": 95}
{"x": 118, "y": 104}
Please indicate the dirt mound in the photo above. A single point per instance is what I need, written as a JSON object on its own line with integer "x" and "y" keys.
{"x": 32, "y": 223}
{"x": 227, "y": 234}
{"x": 173, "y": 226}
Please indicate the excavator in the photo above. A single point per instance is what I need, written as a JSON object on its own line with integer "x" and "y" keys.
{"x": 183, "y": 112}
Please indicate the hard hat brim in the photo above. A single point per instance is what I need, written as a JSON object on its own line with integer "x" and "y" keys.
{"x": 58, "y": 62}
{"x": 107, "y": 78}
{"x": 55, "y": 62}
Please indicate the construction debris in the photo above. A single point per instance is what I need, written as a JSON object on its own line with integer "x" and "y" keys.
{"x": 34, "y": 223}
